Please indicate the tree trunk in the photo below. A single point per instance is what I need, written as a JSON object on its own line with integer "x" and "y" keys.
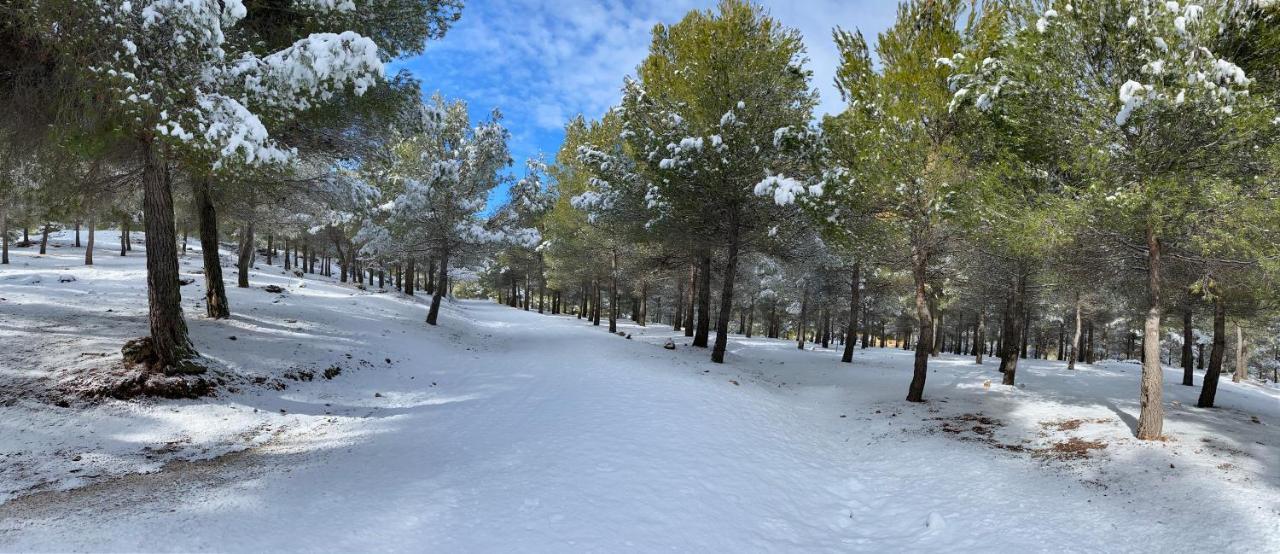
{"x": 1151, "y": 414}
{"x": 88, "y": 250}
{"x": 1015, "y": 339}
{"x": 1209, "y": 390}
{"x": 690, "y": 310}
{"x": 1075, "y": 338}
{"x": 703, "y": 332}
{"x": 980, "y": 337}
{"x": 410, "y": 275}
{"x": 1188, "y": 352}
{"x": 596, "y": 302}
{"x": 4, "y": 236}
{"x": 246, "y": 257}
{"x": 78, "y": 236}
{"x": 726, "y": 295}
{"x": 215, "y": 295}
{"x": 44, "y": 239}
{"x": 441, "y": 286}
{"x": 804, "y": 317}
{"x": 1242, "y": 357}
{"x": 924, "y": 344}
{"x": 124, "y": 238}
{"x": 169, "y": 340}
{"x": 855, "y": 300}
{"x": 613, "y": 291}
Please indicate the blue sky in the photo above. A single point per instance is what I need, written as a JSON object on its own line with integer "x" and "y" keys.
{"x": 543, "y": 61}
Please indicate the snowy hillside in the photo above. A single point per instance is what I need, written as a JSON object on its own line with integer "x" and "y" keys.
{"x": 503, "y": 430}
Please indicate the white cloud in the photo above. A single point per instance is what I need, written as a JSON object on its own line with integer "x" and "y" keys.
{"x": 542, "y": 61}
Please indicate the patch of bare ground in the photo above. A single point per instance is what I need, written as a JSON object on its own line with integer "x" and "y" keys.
{"x": 172, "y": 481}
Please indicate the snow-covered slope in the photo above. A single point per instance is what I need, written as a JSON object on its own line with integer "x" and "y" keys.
{"x": 503, "y": 430}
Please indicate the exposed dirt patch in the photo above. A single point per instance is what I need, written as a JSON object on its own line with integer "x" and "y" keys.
{"x": 1074, "y": 448}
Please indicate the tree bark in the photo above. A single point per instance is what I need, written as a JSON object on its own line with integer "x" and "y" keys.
{"x": 1015, "y": 332}
{"x": 613, "y": 291}
{"x": 855, "y": 300}
{"x": 410, "y": 275}
{"x": 726, "y": 296}
{"x": 1188, "y": 352}
{"x": 703, "y": 332}
{"x": 215, "y": 291}
{"x": 1075, "y": 338}
{"x": 1151, "y": 414}
{"x": 980, "y": 337}
{"x": 88, "y": 250}
{"x": 44, "y": 239}
{"x": 1242, "y": 357}
{"x": 246, "y": 256}
{"x": 924, "y": 344}
{"x": 1209, "y": 389}
{"x": 690, "y": 310}
{"x": 4, "y": 235}
{"x": 169, "y": 340}
{"x": 441, "y": 287}
{"x": 804, "y": 317}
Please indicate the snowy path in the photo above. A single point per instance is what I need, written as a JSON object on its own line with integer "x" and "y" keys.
{"x": 507, "y": 431}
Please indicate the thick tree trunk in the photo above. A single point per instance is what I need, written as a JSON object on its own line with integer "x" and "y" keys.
{"x": 1014, "y": 331}
{"x": 1188, "y": 352}
{"x": 726, "y": 297}
{"x": 1151, "y": 414}
{"x": 246, "y": 256}
{"x": 215, "y": 295}
{"x": 410, "y": 275}
{"x": 441, "y": 287}
{"x": 855, "y": 300}
{"x": 1209, "y": 389}
{"x": 1075, "y": 338}
{"x": 88, "y": 249}
{"x": 169, "y": 340}
{"x": 924, "y": 344}
{"x": 703, "y": 333}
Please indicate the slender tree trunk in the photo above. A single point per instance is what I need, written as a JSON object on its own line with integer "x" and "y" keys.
{"x": 4, "y": 237}
{"x": 215, "y": 295}
{"x": 596, "y": 303}
{"x": 1151, "y": 415}
{"x": 924, "y": 344}
{"x": 751, "y": 316}
{"x": 726, "y": 295}
{"x": 855, "y": 300}
{"x": 1242, "y": 357}
{"x": 1075, "y": 338}
{"x": 246, "y": 256}
{"x": 677, "y": 315}
{"x": 613, "y": 291}
{"x": 78, "y": 236}
{"x": 441, "y": 286}
{"x": 44, "y": 239}
{"x": 644, "y": 303}
{"x": 801, "y": 324}
{"x": 124, "y": 238}
{"x": 704, "y": 301}
{"x": 169, "y": 340}
{"x": 1209, "y": 390}
{"x": 980, "y": 337}
{"x": 1188, "y": 352}
{"x": 88, "y": 249}
{"x": 271, "y": 248}
{"x": 690, "y": 312}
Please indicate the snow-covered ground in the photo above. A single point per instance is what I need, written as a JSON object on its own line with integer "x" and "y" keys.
{"x": 508, "y": 431}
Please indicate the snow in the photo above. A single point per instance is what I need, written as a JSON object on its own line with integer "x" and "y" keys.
{"x": 503, "y": 430}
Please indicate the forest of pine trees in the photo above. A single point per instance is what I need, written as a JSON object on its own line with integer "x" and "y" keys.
{"x": 1008, "y": 179}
